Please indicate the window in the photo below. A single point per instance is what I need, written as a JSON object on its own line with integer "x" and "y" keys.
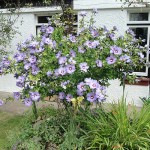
{"x": 42, "y": 19}
{"x": 138, "y": 17}
{"x": 140, "y": 24}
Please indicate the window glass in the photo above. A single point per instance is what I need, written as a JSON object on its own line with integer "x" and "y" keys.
{"x": 43, "y": 19}
{"x": 141, "y": 32}
{"x": 138, "y": 17}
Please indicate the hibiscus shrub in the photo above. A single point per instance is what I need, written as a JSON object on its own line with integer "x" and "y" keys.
{"x": 74, "y": 65}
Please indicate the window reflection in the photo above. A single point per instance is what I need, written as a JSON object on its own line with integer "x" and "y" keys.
{"x": 141, "y": 32}
{"x": 138, "y": 17}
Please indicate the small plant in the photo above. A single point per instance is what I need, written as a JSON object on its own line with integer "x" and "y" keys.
{"x": 145, "y": 100}
{"x": 118, "y": 129}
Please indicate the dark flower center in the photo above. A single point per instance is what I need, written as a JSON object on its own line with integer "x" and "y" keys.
{"x": 92, "y": 97}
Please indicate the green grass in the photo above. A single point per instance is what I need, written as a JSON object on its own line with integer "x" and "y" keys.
{"x": 8, "y": 122}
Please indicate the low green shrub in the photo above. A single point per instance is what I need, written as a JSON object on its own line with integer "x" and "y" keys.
{"x": 118, "y": 129}
{"x": 95, "y": 129}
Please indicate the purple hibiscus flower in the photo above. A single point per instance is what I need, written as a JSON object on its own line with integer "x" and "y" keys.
{"x": 115, "y": 50}
{"x": 70, "y": 69}
{"x": 80, "y": 93}
{"x": 81, "y": 86}
{"x": 58, "y": 54}
{"x": 99, "y": 63}
{"x": 46, "y": 40}
{"x": 1, "y": 102}
{"x": 64, "y": 84}
{"x": 95, "y": 43}
{"x": 53, "y": 44}
{"x": 35, "y": 70}
{"x": 69, "y": 97}
{"x": 35, "y": 96}
{"x": 40, "y": 49}
{"x": 126, "y": 50}
{"x": 131, "y": 32}
{"x": 81, "y": 50}
{"x": 56, "y": 74}
{"x": 28, "y": 102}
{"x": 125, "y": 58}
{"x": 41, "y": 44}
{"x": 43, "y": 28}
{"x": 94, "y": 33}
{"x": 49, "y": 30}
{"x": 141, "y": 55}
{"x": 6, "y": 63}
{"x": 93, "y": 84}
{"x": 33, "y": 44}
{"x": 81, "y": 30}
{"x": 91, "y": 97}
{"x": 72, "y": 38}
{"x": 16, "y": 95}
{"x": 72, "y": 53}
{"x": 88, "y": 81}
{"x": 19, "y": 57}
{"x": 71, "y": 61}
{"x": 32, "y": 59}
{"x": 20, "y": 81}
{"x": 91, "y": 44}
{"x": 100, "y": 94}
{"x": 62, "y": 71}
{"x": 111, "y": 60}
{"x": 105, "y": 29}
{"x": 27, "y": 66}
{"x": 112, "y": 36}
{"x": 62, "y": 60}
{"x": 49, "y": 73}
{"x": 84, "y": 66}
{"x": 61, "y": 95}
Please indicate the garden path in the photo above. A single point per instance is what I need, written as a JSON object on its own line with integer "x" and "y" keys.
{"x": 17, "y": 107}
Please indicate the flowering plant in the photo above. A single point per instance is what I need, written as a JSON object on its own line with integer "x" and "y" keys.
{"x": 71, "y": 66}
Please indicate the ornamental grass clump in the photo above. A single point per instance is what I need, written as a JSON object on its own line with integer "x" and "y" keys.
{"x": 71, "y": 65}
{"x": 117, "y": 129}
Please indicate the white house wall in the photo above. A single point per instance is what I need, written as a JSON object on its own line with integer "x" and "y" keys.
{"x": 90, "y": 4}
{"x": 108, "y": 17}
{"x": 104, "y": 4}
{"x": 7, "y": 82}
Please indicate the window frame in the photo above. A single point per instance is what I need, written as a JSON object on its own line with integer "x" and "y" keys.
{"x": 141, "y": 24}
{"x": 38, "y": 25}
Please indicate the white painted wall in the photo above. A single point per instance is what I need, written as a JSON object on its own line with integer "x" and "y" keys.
{"x": 104, "y": 4}
{"x": 7, "y": 83}
{"x": 108, "y": 17}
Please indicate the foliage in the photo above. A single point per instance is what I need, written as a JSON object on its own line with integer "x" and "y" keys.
{"x": 7, "y": 31}
{"x": 145, "y": 100}
{"x": 54, "y": 130}
{"x": 120, "y": 128}
{"x": 33, "y": 134}
{"x": 73, "y": 65}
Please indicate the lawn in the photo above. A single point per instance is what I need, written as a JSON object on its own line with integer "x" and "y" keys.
{"x": 8, "y": 122}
